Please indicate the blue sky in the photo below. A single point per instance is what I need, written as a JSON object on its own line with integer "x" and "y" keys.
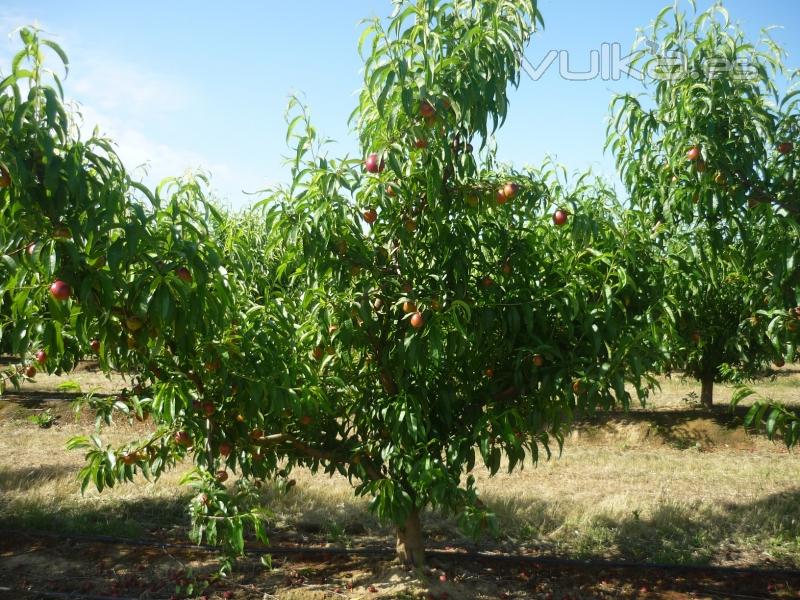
{"x": 183, "y": 84}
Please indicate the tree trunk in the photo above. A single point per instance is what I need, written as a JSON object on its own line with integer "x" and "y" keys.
{"x": 410, "y": 545}
{"x": 707, "y": 391}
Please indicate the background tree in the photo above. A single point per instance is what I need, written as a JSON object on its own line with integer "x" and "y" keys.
{"x": 156, "y": 285}
{"x": 701, "y": 155}
{"x": 457, "y": 311}
{"x": 717, "y": 298}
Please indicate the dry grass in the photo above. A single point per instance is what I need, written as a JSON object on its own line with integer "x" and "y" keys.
{"x": 668, "y": 487}
{"x": 679, "y": 392}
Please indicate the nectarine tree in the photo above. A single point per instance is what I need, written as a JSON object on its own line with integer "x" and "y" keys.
{"x": 701, "y": 156}
{"x": 160, "y": 286}
{"x": 450, "y": 320}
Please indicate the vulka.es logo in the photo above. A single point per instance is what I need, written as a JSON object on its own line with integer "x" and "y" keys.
{"x": 608, "y": 63}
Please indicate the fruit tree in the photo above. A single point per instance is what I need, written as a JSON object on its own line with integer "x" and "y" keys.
{"x": 457, "y": 311}
{"x": 160, "y": 286}
{"x": 706, "y": 156}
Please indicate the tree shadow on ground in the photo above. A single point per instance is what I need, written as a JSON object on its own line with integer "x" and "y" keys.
{"x": 36, "y": 399}
{"x": 681, "y": 534}
{"x": 40, "y": 506}
{"x": 761, "y": 533}
{"x": 27, "y": 478}
{"x": 117, "y": 517}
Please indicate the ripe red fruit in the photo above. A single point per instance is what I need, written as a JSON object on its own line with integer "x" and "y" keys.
{"x": 208, "y": 408}
{"x": 577, "y": 387}
{"x": 538, "y": 360}
{"x": 391, "y": 190}
{"x": 184, "y": 274}
{"x": 182, "y": 438}
{"x": 487, "y": 282}
{"x": 506, "y": 268}
{"x": 60, "y": 290}
{"x": 222, "y": 476}
{"x": 510, "y": 190}
{"x": 420, "y": 143}
{"x": 30, "y": 371}
{"x": 95, "y": 346}
{"x": 779, "y": 362}
{"x": 693, "y": 153}
{"x": 409, "y": 307}
{"x": 306, "y": 420}
{"x": 785, "y": 147}
{"x": 225, "y": 449}
{"x": 560, "y": 217}
{"x": 417, "y": 320}
{"x": 426, "y": 109}
{"x": 370, "y": 215}
{"x": 696, "y": 337}
{"x": 318, "y": 352}
{"x": 5, "y": 178}
{"x": 41, "y": 357}
{"x": 373, "y": 164}
{"x": 489, "y": 373}
{"x": 501, "y": 196}
{"x": 256, "y": 434}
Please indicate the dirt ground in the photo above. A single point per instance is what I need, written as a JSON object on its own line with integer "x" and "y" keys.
{"x": 36, "y": 566}
{"x": 665, "y": 484}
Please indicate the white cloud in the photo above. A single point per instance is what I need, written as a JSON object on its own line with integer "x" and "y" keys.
{"x": 150, "y": 160}
{"x": 126, "y": 89}
{"x": 126, "y": 101}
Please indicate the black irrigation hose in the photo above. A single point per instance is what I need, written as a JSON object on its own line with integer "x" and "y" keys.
{"x": 547, "y": 561}
{"x": 17, "y": 593}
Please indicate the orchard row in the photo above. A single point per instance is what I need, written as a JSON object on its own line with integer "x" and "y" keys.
{"x": 404, "y": 317}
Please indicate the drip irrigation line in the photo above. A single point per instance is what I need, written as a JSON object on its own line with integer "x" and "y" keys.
{"x": 504, "y": 558}
{"x": 18, "y": 593}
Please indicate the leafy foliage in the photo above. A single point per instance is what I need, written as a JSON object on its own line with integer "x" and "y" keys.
{"x": 706, "y": 155}
{"x": 451, "y": 321}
